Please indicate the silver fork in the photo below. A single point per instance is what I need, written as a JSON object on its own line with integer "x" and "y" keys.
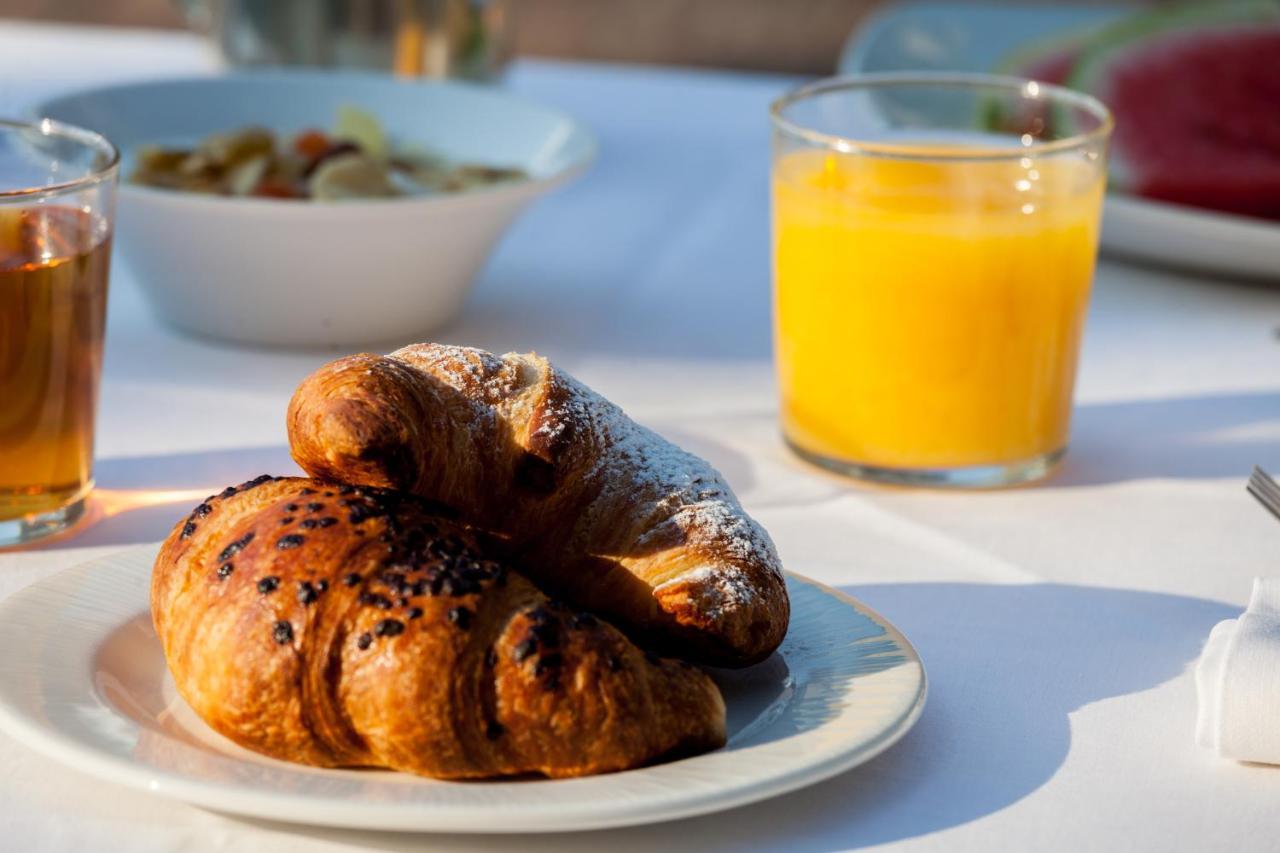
{"x": 1265, "y": 489}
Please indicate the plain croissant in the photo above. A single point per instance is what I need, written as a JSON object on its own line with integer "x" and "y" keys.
{"x": 340, "y": 626}
{"x": 601, "y": 511}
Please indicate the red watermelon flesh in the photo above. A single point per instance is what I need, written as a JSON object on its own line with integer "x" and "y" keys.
{"x": 1198, "y": 118}
{"x": 1051, "y": 68}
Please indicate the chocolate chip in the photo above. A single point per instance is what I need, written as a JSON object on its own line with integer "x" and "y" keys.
{"x": 389, "y": 628}
{"x": 291, "y": 507}
{"x": 225, "y": 570}
{"x": 547, "y": 663}
{"x": 283, "y": 632}
{"x": 494, "y": 730}
{"x": 523, "y": 649}
{"x": 315, "y": 506}
{"x": 322, "y": 585}
{"x": 307, "y": 593}
{"x": 288, "y": 519}
{"x": 235, "y": 547}
{"x": 202, "y": 510}
{"x": 228, "y": 492}
{"x": 292, "y": 540}
{"x": 307, "y": 491}
{"x": 346, "y": 490}
{"x": 547, "y": 633}
{"x": 415, "y": 612}
{"x": 461, "y": 617}
{"x": 352, "y": 579}
{"x": 582, "y": 620}
{"x": 327, "y": 521}
{"x": 307, "y": 524}
{"x": 364, "y": 641}
{"x": 268, "y": 584}
{"x": 379, "y": 601}
{"x": 188, "y": 529}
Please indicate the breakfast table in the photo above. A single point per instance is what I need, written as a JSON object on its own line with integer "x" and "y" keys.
{"x": 1059, "y": 623}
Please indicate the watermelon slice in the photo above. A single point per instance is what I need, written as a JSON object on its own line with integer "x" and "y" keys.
{"x": 1196, "y": 95}
{"x": 1049, "y": 60}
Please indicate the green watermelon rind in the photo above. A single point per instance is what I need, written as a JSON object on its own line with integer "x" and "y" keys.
{"x": 1113, "y": 40}
{"x": 1014, "y": 63}
{"x": 1101, "y": 45}
{"x": 1116, "y": 42}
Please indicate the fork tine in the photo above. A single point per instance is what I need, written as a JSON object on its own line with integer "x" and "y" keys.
{"x": 1263, "y": 487}
{"x": 1264, "y": 482}
{"x": 1261, "y": 481}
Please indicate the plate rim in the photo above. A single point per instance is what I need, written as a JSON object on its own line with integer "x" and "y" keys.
{"x": 283, "y": 807}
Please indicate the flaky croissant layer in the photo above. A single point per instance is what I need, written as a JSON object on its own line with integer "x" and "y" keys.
{"x": 345, "y": 626}
{"x": 600, "y": 510}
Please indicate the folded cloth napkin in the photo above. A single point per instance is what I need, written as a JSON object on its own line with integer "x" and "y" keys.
{"x": 1238, "y": 681}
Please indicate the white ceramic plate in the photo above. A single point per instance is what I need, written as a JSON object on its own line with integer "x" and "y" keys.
{"x": 975, "y": 36}
{"x": 82, "y": 679}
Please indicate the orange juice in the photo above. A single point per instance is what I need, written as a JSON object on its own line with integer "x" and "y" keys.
{"x": 928, "y": 313}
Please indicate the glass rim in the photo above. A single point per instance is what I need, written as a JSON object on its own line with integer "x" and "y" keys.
{"x": 1047, "y": 92}
{"x": 79, "y": 135}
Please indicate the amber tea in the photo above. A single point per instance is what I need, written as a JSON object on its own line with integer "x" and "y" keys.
{"x": 53, "y": 292}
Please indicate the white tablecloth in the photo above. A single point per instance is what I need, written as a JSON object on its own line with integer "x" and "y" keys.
{"x": 1058, "y": 623}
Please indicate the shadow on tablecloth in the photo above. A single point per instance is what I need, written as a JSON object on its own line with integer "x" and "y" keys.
{"x": 1007, "y": 664}
{"x": 1212, "y": 436}
{"x": 139, "y": 499}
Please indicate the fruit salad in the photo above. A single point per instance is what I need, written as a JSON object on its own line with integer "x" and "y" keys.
{"x": 355, "y": 160}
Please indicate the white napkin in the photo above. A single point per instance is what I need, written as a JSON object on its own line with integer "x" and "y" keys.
{"x": 1238, "y": 681}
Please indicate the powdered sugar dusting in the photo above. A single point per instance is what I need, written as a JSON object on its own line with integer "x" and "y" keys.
{"x": 681, "y": 488}
{"x": 667, "y": 486}
{"x": 721, "y": 589}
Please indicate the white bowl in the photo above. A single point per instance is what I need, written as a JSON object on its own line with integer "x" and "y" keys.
{"x": 309, "y": 274}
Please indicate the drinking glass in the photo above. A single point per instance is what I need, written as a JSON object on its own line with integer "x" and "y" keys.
{"x": 934, "y": 239}
{"x": 57, "y": 197}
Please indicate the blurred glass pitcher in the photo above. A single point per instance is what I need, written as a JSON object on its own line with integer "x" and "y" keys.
{"x": 413, "y": 38}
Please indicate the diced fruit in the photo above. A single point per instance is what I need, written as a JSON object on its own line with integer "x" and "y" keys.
{"x": 350, "y": 176}
{"x": 363, "y": 129}
{"x": 311, "y": 144}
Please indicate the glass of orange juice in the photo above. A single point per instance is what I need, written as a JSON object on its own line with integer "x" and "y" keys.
{"x": 934, "y": 239}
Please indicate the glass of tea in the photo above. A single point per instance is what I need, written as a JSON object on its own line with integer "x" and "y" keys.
{"x": 57, "y": 200}
{"x": 934, "y": 240}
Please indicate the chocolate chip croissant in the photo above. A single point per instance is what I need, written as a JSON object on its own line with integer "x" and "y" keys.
{"x": 341, "y": 626}
{"x": 603, "y": 512}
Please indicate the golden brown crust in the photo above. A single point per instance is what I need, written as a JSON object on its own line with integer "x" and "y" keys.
{"x": 600, "y": 510}
{"x": 333, "y": 625}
